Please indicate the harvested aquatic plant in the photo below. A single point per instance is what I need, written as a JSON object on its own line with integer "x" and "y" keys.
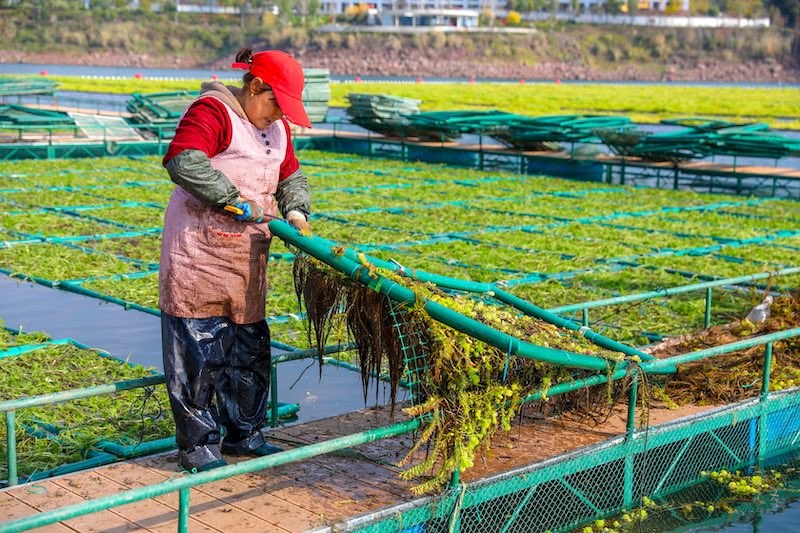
{"x": 737, "y": 375}
{"x": 463, "y": 389}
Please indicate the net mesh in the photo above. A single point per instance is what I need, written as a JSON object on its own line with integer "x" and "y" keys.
{"x": 601, "y": 480}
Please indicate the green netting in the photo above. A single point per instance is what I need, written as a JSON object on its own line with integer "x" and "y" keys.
{"x": 599, "y": 481}
{"x": 164, "y": 109}
{"x": 701, "y": 138}
{"x": 19, "y": 115}
{"x": 10, "y": 86}
{"x": 545, "y": 133}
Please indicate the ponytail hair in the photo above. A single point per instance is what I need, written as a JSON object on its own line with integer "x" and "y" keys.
{"x": 245, "y": 55}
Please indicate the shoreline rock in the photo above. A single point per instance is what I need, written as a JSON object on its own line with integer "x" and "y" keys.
{"x": 454, "y": 64}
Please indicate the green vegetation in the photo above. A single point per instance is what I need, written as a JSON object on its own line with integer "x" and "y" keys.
{"x": 76, "y": 427}
{"x": 551, "y": 241}
{"x": 651, "y": 103}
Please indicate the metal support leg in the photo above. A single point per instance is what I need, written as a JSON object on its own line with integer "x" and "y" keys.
{"x": 631, "y": 428}
{"x": 455, "y": 478}
{"x": 273, "y": 394}
{"x": 707, "y": 320}
{"x": 183, "y": 510}
{"x": 762, "y": 417}
{"x": 11, "y": 446}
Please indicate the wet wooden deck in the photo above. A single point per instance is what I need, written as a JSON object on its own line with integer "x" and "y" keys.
{"x": 298, "y": 496}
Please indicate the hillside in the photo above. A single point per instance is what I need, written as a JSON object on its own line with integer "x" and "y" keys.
{"x": 563, "y": 51}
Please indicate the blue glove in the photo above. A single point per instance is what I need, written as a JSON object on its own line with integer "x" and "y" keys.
{"x": 251, "y": 212}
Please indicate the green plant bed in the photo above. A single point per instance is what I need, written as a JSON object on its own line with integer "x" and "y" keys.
{"x": 56, "y": 263}
{"x": 10, "y": 340}
{"x": 633, "y": 280}
{"x": 157, "y": 193}
{"x": 424, "y": 261}
{"x": 643, "y": 239}
{"x": 47, "y": 198}
{"x": 688, "y": 226}
{"x": 562, "y": 244}
{"x": 143, "y": 247}
{"x": 281, "y": 298}
{"x": 142, "y": 291}
{"x": 771, "y": 208}
{"x": 765, "y": 252}
{"x": 711, "y": 266}
{"x": 140, "y": 216}
{"x": 499, "y": 258}
{"x": 127, "y": 417}
{"x": 54, "y": 225}
{"x": 713, "y": 222}
{"x": 553, "y": 293}
{"x": 292, "y": 333}
{"x": 355, "y": 235}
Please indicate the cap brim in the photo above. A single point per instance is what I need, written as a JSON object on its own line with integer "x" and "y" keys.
{"x": 292, "y": 108}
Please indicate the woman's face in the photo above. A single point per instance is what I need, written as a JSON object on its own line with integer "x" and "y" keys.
{"x": 262, "y": 108}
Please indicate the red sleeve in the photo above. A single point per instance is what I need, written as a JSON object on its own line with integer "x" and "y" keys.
{"x": 290, "y": 163}
{"x": 206, "y": 126}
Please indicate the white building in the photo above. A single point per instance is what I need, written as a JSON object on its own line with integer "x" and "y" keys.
{"x": 339, "y": 6}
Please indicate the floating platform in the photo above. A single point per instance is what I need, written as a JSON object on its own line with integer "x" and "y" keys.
{"x": 305, "y": 495}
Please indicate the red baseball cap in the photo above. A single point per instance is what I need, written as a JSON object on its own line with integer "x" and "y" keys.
{"x": 284, "y": 75}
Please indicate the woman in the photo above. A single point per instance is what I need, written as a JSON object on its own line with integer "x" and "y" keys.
{"x": 232, "y": 161}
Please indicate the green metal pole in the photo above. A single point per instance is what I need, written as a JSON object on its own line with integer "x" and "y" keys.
{"x": 11, "y": 446}
{"x": 671, "y": 291}
{"x": 631, "y": 428}
{"x": 707, "y": 319}
{"x": 763, "y": 428}
{"x": 324, "y": 247}
{"x": 183, "y": 510}
{"x": 649, "y": 366}
{"x": 321, "y": 249}
{"x": 585, "y": 317}
{"x": 273, "y": 393}
{"x": 454, "y": 479}
{"x": 767, "y": 371}
{"x": 76, "y": 394}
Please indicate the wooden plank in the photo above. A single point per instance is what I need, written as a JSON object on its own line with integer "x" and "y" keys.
{"x": 48, "y": 495}
{"x": 149, "y": 514}
{"x": 12, "y": 508}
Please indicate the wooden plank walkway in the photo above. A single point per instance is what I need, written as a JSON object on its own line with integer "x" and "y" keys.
{"x": 298, "y": 496}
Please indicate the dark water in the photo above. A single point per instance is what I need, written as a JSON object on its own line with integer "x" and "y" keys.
{"x": 772, "y": 512}
{"x": 136, "y": 336}
{"x": 81, "y": 70}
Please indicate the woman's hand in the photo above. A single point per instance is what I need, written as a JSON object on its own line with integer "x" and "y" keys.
{"x": 298, "y": 220}
{"x": 250, "y": 211}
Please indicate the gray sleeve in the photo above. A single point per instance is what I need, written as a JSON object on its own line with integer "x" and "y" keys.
{"x": 192, "y": 170}
{"x": 293, "y": 195}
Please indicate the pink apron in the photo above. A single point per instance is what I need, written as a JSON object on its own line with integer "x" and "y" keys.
{"x": 212, "y": 264}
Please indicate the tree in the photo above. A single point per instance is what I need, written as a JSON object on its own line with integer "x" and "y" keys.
{"x": 789, "y": 10}
{"x": 613, "y": 7}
